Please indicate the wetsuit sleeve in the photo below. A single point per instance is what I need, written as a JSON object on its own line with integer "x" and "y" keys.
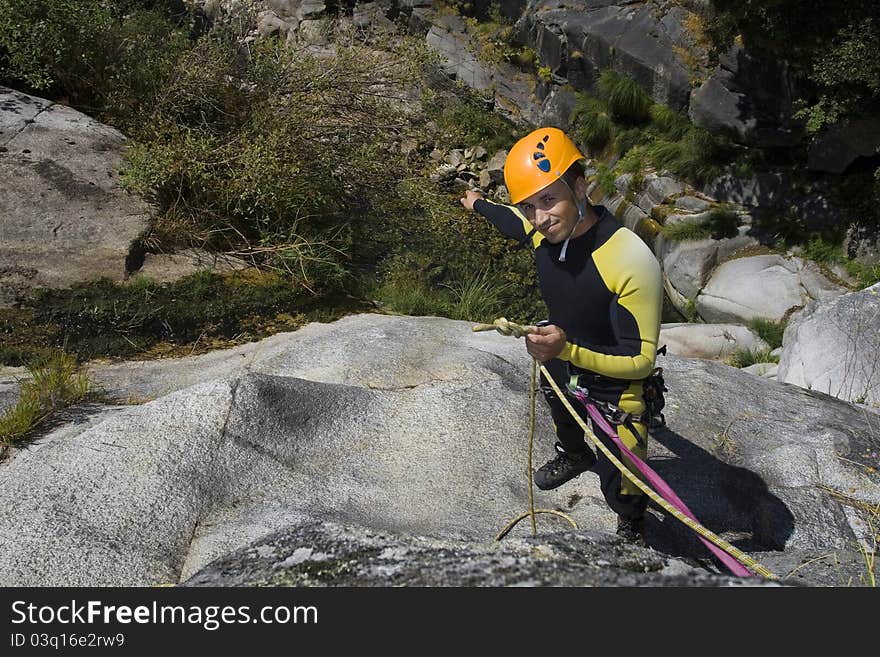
{"x": 632, "y": 274}
{"x": 507, "y": 219}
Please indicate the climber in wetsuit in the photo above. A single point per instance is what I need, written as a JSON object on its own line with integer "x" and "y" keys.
{"x": 602, "y": 287}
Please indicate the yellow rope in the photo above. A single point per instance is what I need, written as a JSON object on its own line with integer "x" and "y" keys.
{"x": 509, "y": 328}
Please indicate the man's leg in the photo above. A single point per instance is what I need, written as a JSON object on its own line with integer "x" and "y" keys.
{"x": 573, "y": 456}
{"x": 623, "y": 496}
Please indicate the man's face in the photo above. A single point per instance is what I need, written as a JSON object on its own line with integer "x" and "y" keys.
{"x": 552, "y": 211}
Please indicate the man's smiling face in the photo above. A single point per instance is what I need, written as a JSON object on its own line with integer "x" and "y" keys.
{"x": 552, "y": 211}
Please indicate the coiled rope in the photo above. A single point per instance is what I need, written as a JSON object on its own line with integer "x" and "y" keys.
{"x": 506, "y": 327}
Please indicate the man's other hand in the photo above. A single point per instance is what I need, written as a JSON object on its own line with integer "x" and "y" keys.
{"x": 470, "y": 196}
{"x": 546, "y": 343}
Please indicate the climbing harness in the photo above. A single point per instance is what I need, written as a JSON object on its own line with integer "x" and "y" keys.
{"x": 733, "y": 558}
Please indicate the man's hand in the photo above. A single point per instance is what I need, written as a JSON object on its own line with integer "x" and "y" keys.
{"x": 546, "y": 343}
{"x": 470, "y": 196}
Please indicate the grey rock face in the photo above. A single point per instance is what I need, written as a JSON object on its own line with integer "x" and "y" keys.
{"x": 836, "y": 149}
{"x": 749, "y": 98}
{"x": 612, "y": 35}
{"x": 688, "y": 265}
{"x": 459, "y": 62}
{"x": 326, "y": 554}
{"x": 713, "y": 341}
{"x": 65, "y": 219}
{"x": 406, "y": 426}
{"x": 834, "y": 346}
{"x": 766, "y": 286}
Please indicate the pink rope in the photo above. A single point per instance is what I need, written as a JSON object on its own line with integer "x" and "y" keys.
{"x": 659, "y": 485}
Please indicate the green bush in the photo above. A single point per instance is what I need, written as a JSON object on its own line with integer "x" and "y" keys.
{"x": 109, "y": 59}
{"x": 270, "y": 154}
{"x": 667, "y": 122}
{"x": 698, "y": 156}
{"x": 830, "y": 47}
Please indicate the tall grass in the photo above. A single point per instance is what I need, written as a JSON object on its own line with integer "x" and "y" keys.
{"x": 745, "y": 357}
{"x": 55, "y": 382}
{"x": 769, "y": 331}
{"x": 478, "y": 298}
{"x": 624, "y": 97}
{"x": 595, "y": 128}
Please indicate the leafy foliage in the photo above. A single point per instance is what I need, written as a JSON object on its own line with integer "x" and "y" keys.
{"x": 105, "y": 58}
{"x": 832, "y": 47}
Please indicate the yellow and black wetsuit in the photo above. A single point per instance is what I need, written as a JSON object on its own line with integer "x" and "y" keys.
{"x": 607, "y": 296}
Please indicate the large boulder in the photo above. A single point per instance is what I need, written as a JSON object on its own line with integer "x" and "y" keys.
{"x": 764, "y": 286}
{"x": 687, "y": 265}
{"x": 834, "y": 346}
{"x": 713, "y": 341}
{"x": 839, "y": 146}
{"x": 63, "y": 216}
{"x": 408, "y": 426}
{"x": 323, "y": 553}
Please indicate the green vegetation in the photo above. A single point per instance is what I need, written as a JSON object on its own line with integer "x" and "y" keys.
{"x": 292, "y": 163}
{"x": 745, "y": 357}
{"x": 202, "y": 310}
{"x": 620, "y": 120}
{"x": 720, "y": 223}
{"x": 110, "y": 59}
{"x": 54, "y": 382}
{"x": 769, "y": 331}
{"x": 832, "y": 48}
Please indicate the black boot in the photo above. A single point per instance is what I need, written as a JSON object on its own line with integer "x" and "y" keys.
{"x": 565, "y": 466}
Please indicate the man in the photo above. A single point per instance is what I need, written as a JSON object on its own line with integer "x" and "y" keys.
{"x": 602, "y": 287}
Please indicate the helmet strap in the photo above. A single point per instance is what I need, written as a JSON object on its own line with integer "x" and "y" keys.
{"x": 582, "y": 210}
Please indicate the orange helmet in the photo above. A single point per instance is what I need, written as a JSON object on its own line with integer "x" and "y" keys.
{"x": 537, "y": 160}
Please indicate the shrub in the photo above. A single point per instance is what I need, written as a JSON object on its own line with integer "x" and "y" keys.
{"x": 670, "y": 124}
{"x": 109, "y": 59}
{"x": 270, "y": 153}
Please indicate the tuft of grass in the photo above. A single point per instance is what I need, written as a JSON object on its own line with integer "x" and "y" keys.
{"x": 605, "y": 179}
{"x": 696, "y": 156}
{"x": 411, "y": 295}
{"x": 685, "y": 231}
{"x": 668, "y": 122}
{"x": 745, "y": 357}
{"x": 721, "y": 223}
{"x": 769, "y": 331}
{"x": 56, "y": 382}
{"x": 624, "y": 97}
{"x": 595, "y": 128}
{"x": 479, "y": 298}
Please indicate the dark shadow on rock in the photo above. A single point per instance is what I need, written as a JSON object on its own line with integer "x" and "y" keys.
{"x": 731, "y": 501}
